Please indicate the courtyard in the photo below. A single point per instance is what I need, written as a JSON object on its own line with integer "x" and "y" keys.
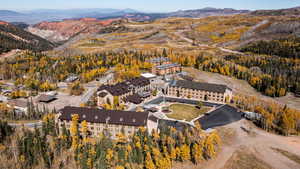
{"x": 186, "y": 112}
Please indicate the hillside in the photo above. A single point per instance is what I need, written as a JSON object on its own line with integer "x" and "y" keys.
{"x": 63, "y": 30}
{"x": 12, "y": 37}
{"x": 291, "y": 11}
{"x": 213, "y": 32}
{"x": 232, "y": 45}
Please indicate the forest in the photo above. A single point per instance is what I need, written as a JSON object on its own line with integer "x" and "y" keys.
{"x": 12, "y": 37}
{"x": 286, "y": 48}
{"x": 271, "y": 75}
{"x": 276, "y": 118}
{"x": 45, "y": 148}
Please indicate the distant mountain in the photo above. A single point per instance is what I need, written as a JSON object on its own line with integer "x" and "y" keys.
{"x": 4, "y": 13}
{"x": 13, "y": 37}
{"x": 281, "y": 12}
{"x": 197, "y": 13}
{"x": 40, "y": 15}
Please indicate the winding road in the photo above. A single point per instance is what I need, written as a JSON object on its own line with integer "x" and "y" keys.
{"x": 179, "y": 34}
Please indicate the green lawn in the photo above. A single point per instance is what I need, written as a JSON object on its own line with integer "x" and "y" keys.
{"x": 185, "y": 111}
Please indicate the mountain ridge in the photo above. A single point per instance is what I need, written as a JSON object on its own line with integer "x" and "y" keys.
{"x": 13, "y": 37}
{"x": 36, "y": 16}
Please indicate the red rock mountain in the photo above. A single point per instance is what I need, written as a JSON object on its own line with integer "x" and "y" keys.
{"x": 63, "y": 30}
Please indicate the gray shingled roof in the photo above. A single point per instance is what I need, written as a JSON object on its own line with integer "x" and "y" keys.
{"x": 124, "y": 87}
{"x": 46, "y": 98}
{"x": 94, "y": 115}
{"x": 158, "y": 60}
{"x": 167, "y": 66}
{"x": 217, "y": 88}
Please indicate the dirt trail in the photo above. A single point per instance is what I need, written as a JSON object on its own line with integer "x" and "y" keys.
{"x": 261, "y": 143}
{"x": 257, "y": 143}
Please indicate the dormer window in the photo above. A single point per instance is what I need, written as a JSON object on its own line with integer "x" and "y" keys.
{"x": 121, "y": 119}
{"x": 133, "y": 120}
{"x": 84, "y": 116}
{"x": 96, "y": 117}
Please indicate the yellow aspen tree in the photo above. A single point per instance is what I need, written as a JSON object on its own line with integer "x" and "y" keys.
{"x": 185, "y": 152}
{"x": 74, "y": 130}
{"x": 84, "y": 129}
{"x": 173, "y": 153}
{"x": 149, "y": 162}
{"x": 109, "y": 157}
{"x": 211, "y": 141}
{"x": 120, "y": 167}
{"x": 196, "y": 153}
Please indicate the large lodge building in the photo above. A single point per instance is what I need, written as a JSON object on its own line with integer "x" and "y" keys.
{"x": 108, "y": 122}
{"x": 163, "y": 66}
{"x": 133, "y": 90}
{"x": 200, "y": 91}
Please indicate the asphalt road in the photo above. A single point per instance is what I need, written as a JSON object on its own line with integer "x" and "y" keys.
{"x": 221, "y": 116}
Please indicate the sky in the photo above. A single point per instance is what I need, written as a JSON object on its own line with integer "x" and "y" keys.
{"x": 148, "y": 5}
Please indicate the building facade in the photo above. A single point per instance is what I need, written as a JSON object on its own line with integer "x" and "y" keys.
{"x": 166, "y": 69}
{"x": 106, "y": 93}
{"x": 163, "y": 66}
{"x": 159, "y": 61}
{"x": 108, "y": 122}
{"x": 200, "y": 91}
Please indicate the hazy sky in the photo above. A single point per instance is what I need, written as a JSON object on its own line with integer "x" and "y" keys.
{"x": 148, "y": 5}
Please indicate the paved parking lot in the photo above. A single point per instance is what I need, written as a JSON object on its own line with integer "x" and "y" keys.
{"x": 221, "y": 116}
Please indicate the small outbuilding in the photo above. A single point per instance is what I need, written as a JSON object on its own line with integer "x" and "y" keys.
{"x": 46, "y": 98}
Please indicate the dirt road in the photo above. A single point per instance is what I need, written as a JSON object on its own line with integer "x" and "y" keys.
{"x": 258, "y": 143}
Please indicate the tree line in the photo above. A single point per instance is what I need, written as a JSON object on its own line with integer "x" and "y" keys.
{"x": 286, "y": 48}
{"x": 275, "y": 117}
{"x": 46, "y": 148}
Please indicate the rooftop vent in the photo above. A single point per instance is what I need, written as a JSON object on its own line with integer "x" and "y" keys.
{"x": 96, "y": 117}
{"x": 133, "y": 120}
{"x": 83, "y": 116}
{"x": 121, "y": 119}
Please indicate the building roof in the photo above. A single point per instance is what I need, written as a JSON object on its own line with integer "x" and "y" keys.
{"x": 217, "y": 88}
{"x": 158, "y": 60}
{"x": 18, "y": 103}
{"x": 46, "y": 98}
{"x": 71, "y": 78}
{"x": 135, "y": 99}
{"x": 102, "y": 94}
{"x": 186, "y": 77}
{"x": 148, "y": 75}
{"x": 153, "y": 118}
{"x": 93, "y": 115}
{"x": 167, "y": 66}
{"x": 125, "y": 87}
